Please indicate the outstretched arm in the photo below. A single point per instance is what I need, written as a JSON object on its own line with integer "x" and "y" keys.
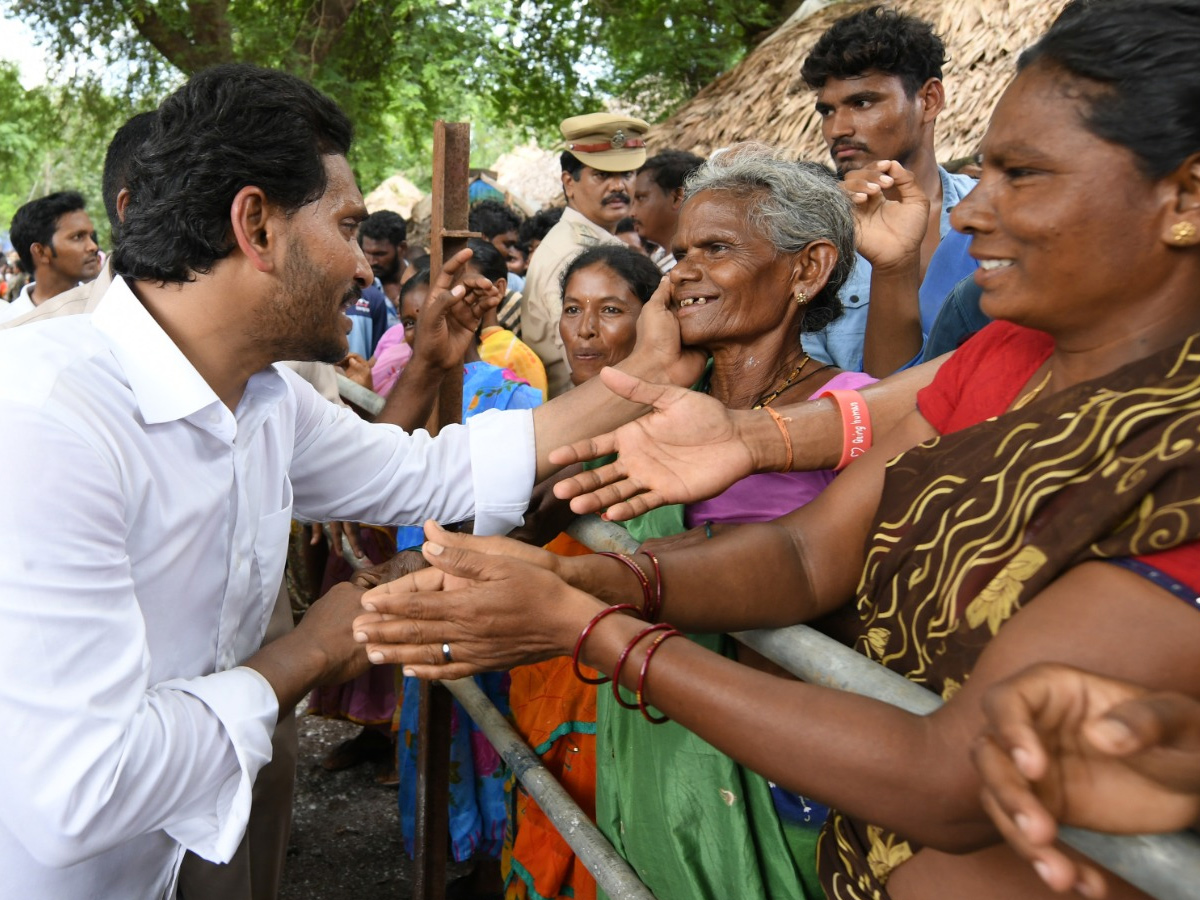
{"x": 689, "y": 447}
{"x": 764, "y": 575}
{"x": 839, "y": 748}
{"x": 592, "y": 408}
{"x": 1065, "y": 745}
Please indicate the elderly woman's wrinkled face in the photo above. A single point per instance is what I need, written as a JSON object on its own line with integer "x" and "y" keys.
{"x": 1066, "y": 227}
{"x": 729, "y": 285}
{"x": 598, "y": 322}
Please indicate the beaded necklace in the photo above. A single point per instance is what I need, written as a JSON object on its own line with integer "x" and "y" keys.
{"x": 788, "y": 382}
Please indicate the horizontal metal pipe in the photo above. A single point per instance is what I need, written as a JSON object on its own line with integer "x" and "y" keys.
{"x": 611, "y": 872}
{"x": 1165, "y": 866}
{"x": 364, "y": 399}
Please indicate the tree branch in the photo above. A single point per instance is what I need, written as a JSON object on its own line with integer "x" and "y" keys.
{"x": 211, "y": 41}
{"x": 323, "y": 25}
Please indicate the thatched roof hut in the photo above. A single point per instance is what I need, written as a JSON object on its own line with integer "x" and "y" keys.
{"x": 764, "y": 98}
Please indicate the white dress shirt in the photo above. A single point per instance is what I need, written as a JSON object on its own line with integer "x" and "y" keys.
{"x": 145, "y": 534}
{"x": 21, "y": 304}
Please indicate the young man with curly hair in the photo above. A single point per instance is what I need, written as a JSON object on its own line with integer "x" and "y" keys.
{"x": 877, "y": 74}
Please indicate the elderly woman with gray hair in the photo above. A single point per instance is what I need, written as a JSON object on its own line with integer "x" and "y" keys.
{"x": 763, "y": 245}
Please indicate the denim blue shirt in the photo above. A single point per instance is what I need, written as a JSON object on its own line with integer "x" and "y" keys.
{"x": 368, "y": 321}
{"x": 841, "y": 342}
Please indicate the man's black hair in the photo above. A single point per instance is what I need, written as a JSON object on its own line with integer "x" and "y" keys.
{"x": 228, "y": 127}
{"x": 537, "y": 226}
{"x": 571, "y": 163}
{"x": 117, "y": 161}
{"x": 1143, "y": 63}
{"x": 626, "y": 225}
{"x": 384, "y": 225}
{"x": 634, "y": 268}
{"x": 487, "y": 260}
{"x": 670, "y": 168}
{"x": 879, "y": 38}
{"x": 493, "y": 217}
{"x": 36, "y": 222}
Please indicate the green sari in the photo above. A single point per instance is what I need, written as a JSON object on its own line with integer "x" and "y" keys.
{"x": 693, "y": 823}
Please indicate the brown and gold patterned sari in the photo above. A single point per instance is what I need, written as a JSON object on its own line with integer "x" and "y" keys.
{"x": 973, "y": 525}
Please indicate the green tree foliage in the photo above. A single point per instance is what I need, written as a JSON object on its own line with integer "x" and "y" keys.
{"x": 53, "y": 139}
{"x": 512, "y": 67}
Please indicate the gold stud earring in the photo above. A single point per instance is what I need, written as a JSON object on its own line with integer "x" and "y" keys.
{"x": 1183, "y": 233}
{"x": 801, "y": 298}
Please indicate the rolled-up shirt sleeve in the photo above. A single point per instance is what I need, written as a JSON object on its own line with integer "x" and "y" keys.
{"x": 95, "y": 752}
{"x": 347, "y": 469}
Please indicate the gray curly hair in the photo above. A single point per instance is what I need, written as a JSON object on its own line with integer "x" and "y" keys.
{"x": 794, "y": 204}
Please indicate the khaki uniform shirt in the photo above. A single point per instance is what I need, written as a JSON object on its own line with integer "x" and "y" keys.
{"x": 541, "y": 306}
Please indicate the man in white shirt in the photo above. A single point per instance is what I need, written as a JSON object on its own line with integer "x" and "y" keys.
{"x": 161, "y": 458}
{"x": 56, "y": 241}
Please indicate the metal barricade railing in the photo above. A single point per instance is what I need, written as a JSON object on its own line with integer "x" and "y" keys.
{"x": 1165, "y": 866}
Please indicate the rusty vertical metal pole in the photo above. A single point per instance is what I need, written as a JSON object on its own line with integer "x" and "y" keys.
{"x": 448, "y": 231}
{"x": 448, "y": 234}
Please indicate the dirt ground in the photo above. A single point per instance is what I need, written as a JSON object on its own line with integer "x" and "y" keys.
{"x": 346, "y": 842}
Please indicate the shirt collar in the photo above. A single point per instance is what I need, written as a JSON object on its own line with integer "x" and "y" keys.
{"x": 573, "y": 215}
{"x": 954, "y": 188}
{"x": 165, "y": 384}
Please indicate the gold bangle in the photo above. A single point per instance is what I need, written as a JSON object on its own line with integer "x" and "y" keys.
{"x": 787, "y": 438}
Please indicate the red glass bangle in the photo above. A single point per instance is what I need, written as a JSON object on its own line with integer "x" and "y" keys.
{"x": 637, "y": 570}
{"x": 641, "y": 684}
{"x": 616, "y": 676}
{"x": 587, "y": 629}
{"x": 653, "y": 613}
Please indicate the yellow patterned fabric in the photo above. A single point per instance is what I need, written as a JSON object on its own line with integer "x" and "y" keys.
{"x": 973, "y": 525}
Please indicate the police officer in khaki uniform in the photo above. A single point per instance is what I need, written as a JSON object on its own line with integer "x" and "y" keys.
{"x": 603, "y": 153}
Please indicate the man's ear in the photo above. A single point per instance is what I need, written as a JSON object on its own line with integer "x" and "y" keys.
{"x": 567, "y": 180}
{"x": 255, "y": 228}
{"x": 933, "y": 94}
{"x": 122, "y": 204}
{"x": 677, "y": 198}
{"x": 42, "y": 254}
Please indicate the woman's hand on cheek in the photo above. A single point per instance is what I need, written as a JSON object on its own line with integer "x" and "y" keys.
{"x": 658, "y": 354}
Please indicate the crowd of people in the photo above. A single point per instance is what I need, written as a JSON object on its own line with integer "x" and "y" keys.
{"x": 898, "y": 403}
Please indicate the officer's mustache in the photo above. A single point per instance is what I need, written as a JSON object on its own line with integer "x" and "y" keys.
{"x": 616, "y": 197}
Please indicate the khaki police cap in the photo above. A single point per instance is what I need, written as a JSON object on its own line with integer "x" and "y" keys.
{"x": 605, "y": 141}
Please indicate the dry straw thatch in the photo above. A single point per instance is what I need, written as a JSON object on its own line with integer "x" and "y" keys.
{"x": 764, "y": 98}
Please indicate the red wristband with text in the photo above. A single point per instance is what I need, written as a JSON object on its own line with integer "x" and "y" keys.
{"x": 856, "y": 425}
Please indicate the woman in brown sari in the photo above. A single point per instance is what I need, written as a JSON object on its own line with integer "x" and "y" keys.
{"x": 1042, "y": 503}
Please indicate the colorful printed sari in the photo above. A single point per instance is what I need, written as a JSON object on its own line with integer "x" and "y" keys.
{"x": 477, "y": 806}
{"x": 974, "y": 524}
